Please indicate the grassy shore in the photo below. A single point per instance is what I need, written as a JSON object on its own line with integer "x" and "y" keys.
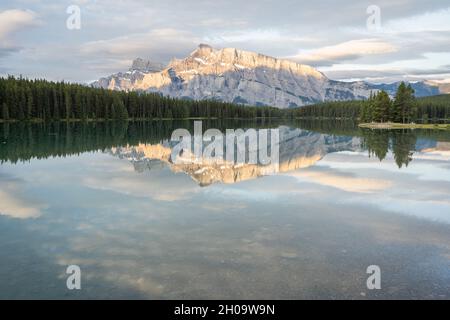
{"x": 390, "y": 125}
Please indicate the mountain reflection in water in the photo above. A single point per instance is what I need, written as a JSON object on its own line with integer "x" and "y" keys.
{"x": 147, "y": 143}
{"x": 297, "y": 149}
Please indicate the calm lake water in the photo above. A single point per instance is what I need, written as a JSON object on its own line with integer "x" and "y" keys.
{"x": 105, "y": 197}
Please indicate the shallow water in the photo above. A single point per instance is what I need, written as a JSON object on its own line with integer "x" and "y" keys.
{"x": 100, "y": 196}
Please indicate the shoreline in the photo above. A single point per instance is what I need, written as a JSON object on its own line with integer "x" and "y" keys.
{"x": 390, "y": 125}
{"x": 36, "y": 120}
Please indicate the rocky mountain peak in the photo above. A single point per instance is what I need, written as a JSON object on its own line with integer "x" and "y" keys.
{"x": 242, "y": 77}
{"x": 203, "y": 50}
{"x": 234, "y": 59}
{"x": 143, "y": 65}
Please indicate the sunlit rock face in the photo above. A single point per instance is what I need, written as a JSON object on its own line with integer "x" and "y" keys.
{"x": 297, "y": 149}
{"x": 237, "y": 76}
{"x": 127, "y": 80}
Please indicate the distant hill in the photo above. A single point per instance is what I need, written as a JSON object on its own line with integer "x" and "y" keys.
{"x": 422, "y": 89}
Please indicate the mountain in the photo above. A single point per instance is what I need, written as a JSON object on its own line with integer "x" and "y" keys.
{"x": 126, "y": 80}
{"x": 146, "y": 66}
{"x": 421, "y": 88}
{"x": 443, "y": 86}
{"x": 243, "y": 77}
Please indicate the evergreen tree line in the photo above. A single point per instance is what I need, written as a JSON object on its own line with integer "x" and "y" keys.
{"x": 433, "y": 109}
{"x": 328, "y": 110}
{"x": 404, "y": 108}
{"x": 380, "y": 108}
{"x": 24, "y": 99}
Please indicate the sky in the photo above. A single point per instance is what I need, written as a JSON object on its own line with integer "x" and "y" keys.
{"x": 375, "y": 40}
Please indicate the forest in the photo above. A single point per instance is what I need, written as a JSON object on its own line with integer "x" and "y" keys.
{"x": 23, "y": 99}
{"x": 41, "y": 100}
{"x": 403, "y": 108}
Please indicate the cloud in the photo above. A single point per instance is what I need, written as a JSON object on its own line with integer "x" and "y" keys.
{"x": 429, "y": 21}
{"x": 121, "y": 178}
{"x": 12, "y": 21}
{"x": 5, "y": 50}
{"x": 219, "y": 23}
{"x": 389, "y": 74}
{"x": 443, "y": 81}
{"x": 158, "y": 44}
{"x": 16, "y": 205}
{"x": 350, "y": 50}
{"x": 115, "y": 32}
{"x": 343, "y": 182}
{"x": 257, "y": 35}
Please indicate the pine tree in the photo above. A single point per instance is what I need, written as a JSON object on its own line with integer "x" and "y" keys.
{"x": 5, "y": 111}
{"x": 133, "y": 104}
{"x": 97, "y": 107}
{"x": 29, "y": 108}
{"x": 21, "y": 105}
{"x": 410, "y": 104}
{"x": 77, "y": 105}
{"x": 119, "y": 112}
{"x": 367, "y": 109}
{"x": 68, "y": 103}
{"x": 55, "y": 105}
{"x": 399, "y": 103}
{"x": 168, "y": 113}
{"x": 183, "y": 111}
{"x": 405, "y": 108}
{"x": 382, "y": 106}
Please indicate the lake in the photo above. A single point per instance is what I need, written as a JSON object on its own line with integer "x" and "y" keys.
{"x": 107, "y": 198}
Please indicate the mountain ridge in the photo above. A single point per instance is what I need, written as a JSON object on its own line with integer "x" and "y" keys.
{"x": 243, "y": 77}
